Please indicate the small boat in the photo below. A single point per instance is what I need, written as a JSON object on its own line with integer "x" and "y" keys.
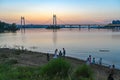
{"x": 103, "y": 50}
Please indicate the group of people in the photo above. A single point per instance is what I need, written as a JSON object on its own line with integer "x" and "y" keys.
{"x": 60, "y": 53}
{"x": 91, "y": 60}
{"x": 57, "y": 54}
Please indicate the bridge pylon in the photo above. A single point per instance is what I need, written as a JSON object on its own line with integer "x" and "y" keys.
{"x": 54, "y": 20}
{"x": 22, "y": 23}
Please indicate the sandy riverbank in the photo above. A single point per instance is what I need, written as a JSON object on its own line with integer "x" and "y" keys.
{"x": 29, "y": 58}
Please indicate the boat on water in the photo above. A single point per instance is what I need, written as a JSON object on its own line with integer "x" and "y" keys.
{"x": 104, "y": 50}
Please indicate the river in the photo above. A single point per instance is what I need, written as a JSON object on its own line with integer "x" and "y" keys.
{"x": 79, "y": 43}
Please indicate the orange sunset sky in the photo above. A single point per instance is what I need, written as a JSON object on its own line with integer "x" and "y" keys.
{"x": 68, "y": 11}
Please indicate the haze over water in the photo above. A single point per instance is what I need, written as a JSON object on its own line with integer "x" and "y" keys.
{"x": 79, "y": 43}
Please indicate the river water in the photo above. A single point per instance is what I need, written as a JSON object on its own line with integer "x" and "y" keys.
{"x": 79, "y": 43}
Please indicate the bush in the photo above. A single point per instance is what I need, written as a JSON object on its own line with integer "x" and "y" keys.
{"x": 11, "y": 62}
{"x": 56, "y": 68}
{"x": 3, "y": 55}
{"x": 17, "y": 52}
{"x": 83, "y": 72}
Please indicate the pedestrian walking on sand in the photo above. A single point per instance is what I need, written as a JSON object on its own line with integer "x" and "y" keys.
{"x": 64, "y": 52}
{"x": 48, "y": 57}
{"x": 110, "y": 77}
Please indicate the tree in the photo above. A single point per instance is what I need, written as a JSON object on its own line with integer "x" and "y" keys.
{"x": 8, "y": 27}
{"x": 13, "y": 27}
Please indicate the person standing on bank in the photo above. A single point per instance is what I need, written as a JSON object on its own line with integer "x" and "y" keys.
{"x": 110, "y": 77}
{"x": 64, "y": 52}
{"x": 93, "y": 61}
{"x": 55, "y": 54}
{"x": 56, "y": 51}
{"x": 60, "y": 54}
{"x": 48, "y": 56}
{"x": 100, "y": 61}
{"x": 90, "y": 59}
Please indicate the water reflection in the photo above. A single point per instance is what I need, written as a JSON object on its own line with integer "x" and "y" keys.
{"x": 23, "y": 36}
{"x": 55, "y": 37}
{"x": 117, "y": 29}
{"x": 23, "y": 30}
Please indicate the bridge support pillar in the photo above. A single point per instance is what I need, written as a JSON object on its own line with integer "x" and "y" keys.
{"x": 22, "y": 23}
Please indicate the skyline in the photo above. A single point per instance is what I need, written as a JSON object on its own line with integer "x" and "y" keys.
{"x": 69, "y": 11}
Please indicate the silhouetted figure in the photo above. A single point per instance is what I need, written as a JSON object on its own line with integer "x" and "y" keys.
{"x": 113, "y": 66}
{"x": 112, "y": 70}
{"x": 110, "y": 77}
{"x": 100, "y": 61}
{"x": 64, "y": 52}
{"x": 60, "y": 54}
{"x": 90, "y": 59}
{"x": 56, "y": 51}
{"x": 55, "y": 54}
{"x": 93, "y": 61}
{"x": 48, "y": 57}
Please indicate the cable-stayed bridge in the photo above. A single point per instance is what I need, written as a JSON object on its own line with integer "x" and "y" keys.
{"x": 53, "y": 23}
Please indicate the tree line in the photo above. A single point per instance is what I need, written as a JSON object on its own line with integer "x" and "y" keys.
{"x": 8, "y": 27}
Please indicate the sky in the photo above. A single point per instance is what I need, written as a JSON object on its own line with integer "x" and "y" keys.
{"x": 67, "y": 11}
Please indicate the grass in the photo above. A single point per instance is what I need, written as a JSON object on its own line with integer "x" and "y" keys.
{"x": 56, "y": 69}
{"x": 83, "y": 72}
{"x": 3, "y": 55}
{"x": 10, "y": 72}
{"x": 11, "y": 62}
